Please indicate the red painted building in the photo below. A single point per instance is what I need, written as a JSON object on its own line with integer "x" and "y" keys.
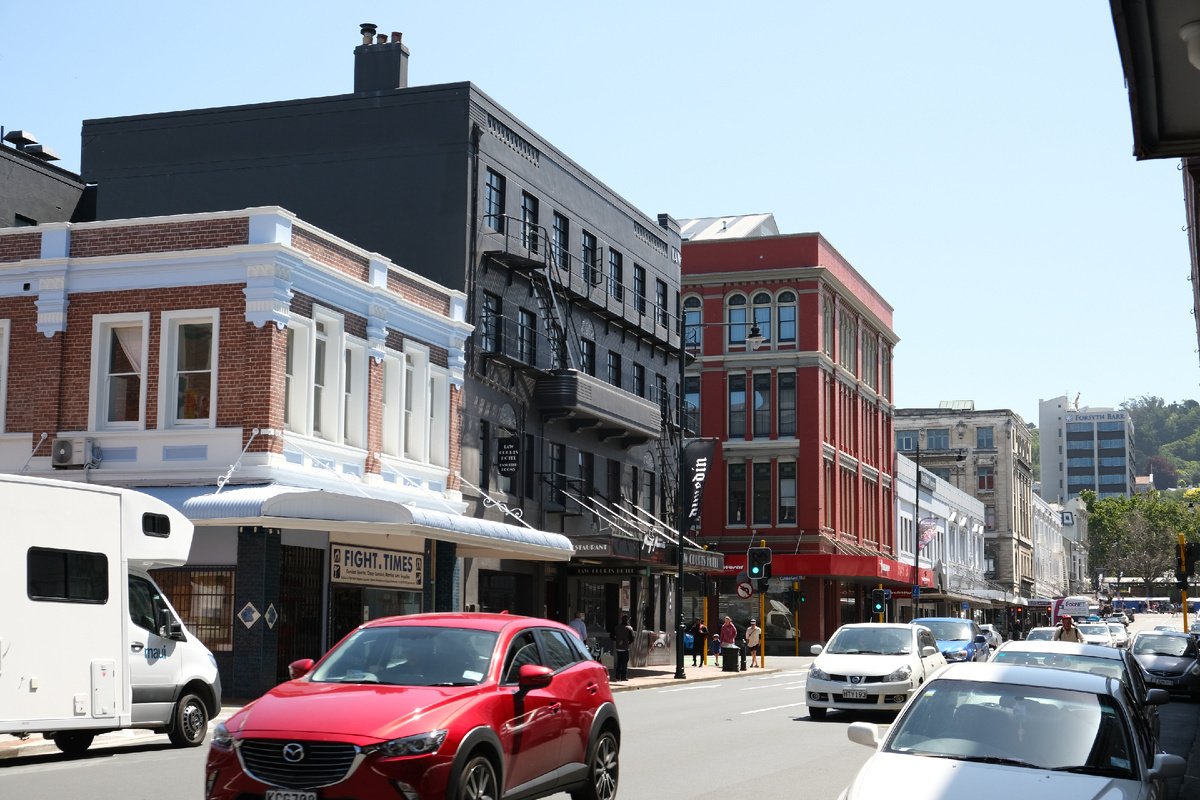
{"x": 804, "y": 421}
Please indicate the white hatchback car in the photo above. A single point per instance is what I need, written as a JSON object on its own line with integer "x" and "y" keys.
{"x": 1096, "y": 633}
{"x": 871, "y": 667}
{"x": 1013, "y": 731}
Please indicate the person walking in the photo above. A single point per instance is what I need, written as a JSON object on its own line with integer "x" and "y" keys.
{"x": 622, "y": 639}
{"x": 728, "y": 632}
{"x": 1067, "y": 632}
{"x": 714, "y": 649}
{"x": 753, "y": 639}
{"x": 699, "y": 633}
{"x": 579, "y": 625}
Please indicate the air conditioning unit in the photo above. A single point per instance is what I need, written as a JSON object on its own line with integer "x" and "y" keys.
{"x": 66, "y": 453}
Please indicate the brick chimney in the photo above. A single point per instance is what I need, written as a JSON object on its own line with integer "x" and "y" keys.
{"x": 379, "y": 65}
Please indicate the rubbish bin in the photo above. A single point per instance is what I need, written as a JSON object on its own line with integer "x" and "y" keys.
{"x": 729, "y": 657}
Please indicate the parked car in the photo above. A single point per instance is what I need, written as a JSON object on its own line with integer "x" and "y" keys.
{"x": 958, "y": 639}
{"x": 429, "y": 705}
{"x": 1039, "y": 634}
{"x": 871, "y": 666}
{"x": 1100, "y": 659}
{"x": 992, "y": 635}
{"x": 1095, "y": 633}
{"x": 1171, "y": 660}
{"x": 1120, "y": 636}
{"x": 1011, "y": 731}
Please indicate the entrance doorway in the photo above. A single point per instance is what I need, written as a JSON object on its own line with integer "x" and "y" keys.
{"x": 301, "y": 570}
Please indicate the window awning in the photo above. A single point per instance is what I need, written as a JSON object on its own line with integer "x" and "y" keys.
{"x": 298, "y": 508}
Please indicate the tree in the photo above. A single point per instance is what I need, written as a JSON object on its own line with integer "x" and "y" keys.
{"x": 1035, "y": 452}
{"x": 1165, "y": 475}
{"x": 1147, "y": 549}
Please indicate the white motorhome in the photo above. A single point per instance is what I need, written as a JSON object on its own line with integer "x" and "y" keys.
{"x": 88, "y": 642}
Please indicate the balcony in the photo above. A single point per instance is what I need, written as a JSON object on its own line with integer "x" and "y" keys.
{"x": 510, "y": 343}
{"x": 589, "y": 402}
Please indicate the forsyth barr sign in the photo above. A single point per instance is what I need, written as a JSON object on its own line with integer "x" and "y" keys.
{"x": 1108, "y": 416}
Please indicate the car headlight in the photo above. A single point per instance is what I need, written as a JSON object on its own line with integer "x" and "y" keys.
{"x": 221, "y": 737}
{"x": 902, "y": 674}
{"x": 817, "y": 673}
{"x": 422, "y": 744}
{"x": 956, "y": 655}
{"x": 1195, "y": 670}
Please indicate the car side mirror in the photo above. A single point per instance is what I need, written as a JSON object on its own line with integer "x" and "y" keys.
{"x": 1167, "y": 766}
{"x": 815, "y": 649}
{"x": 168, "y": 626}
{"x": 865, "y": 733}
{"x": 298, "y": 669}
{"x": 980, "y": 639}
{"x": 1157, "y": 697}
{"x": 928, "y": 650}
{"x": 533, "y": 676}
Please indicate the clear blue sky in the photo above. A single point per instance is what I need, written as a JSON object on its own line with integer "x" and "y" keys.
{"x": 971, "y": 160}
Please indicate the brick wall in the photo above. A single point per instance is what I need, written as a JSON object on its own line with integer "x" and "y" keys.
{"x": 20, "y": 246}
{"x": 161, "y": 237}
{"x": 334, "y": 255}
{"x": 418, "y": 293}
{"x": 33, "y": 372}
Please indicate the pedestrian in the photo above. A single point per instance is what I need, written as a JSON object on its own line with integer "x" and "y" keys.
{"x": 699, "y": 633}
{"x": 728, "y": 632}
{"x": 753, "y": 639}
{"x": 1067, "y": 632}
{"x": 622, "y": 639}
{"x": 714, "y": 648}
{"x": 579, "y": 626}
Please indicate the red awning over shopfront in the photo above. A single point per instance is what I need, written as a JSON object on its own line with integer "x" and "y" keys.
{"x": 877, "y": 569}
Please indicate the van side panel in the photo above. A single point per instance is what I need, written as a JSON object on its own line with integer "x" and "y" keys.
{"x": 61, "y": 657}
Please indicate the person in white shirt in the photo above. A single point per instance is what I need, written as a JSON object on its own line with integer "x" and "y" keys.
{"x": 579, "y": 626}
{"x": 753, "y": 636}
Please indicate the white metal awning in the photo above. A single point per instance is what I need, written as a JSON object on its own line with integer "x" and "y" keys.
{"x": 298, "y": 508}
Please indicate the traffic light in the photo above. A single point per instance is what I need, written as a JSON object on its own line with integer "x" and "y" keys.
{"x": 801, "y": 593}
{"x": 1191, "y": 554}
{"x": 758, "y": 562}
{"x": 877, "y": 599}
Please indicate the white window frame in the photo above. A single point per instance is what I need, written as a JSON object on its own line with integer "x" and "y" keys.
{"x": 416, "y": 444}
{"x": 102, "y": 325}
{"x": 5, "y": 338}
{"x": 439, "y": 417}
{"x": 331, "y": 425}
{"x": 354, "y": 392}
{"x": 168, "y": 368}
{"x": 392, "y": 405}
{"x": 299, "y": 398}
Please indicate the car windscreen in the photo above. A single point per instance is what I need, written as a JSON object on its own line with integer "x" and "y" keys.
{"x": 1157, "y": 645}
{"x": 1017, "y": 724}
{"x": 871, "y": 641}
{"x": 948, "y": 630}
{"x": 1109, "y": 667}
{"x": 409, "y": 656}
{"x": 1093, "y": 630}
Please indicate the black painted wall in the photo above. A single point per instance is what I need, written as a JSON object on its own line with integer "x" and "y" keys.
{"x": 34, "y": 192}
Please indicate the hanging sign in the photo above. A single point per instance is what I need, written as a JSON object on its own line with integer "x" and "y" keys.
{"x": 370, "y": 566}
{"x": 508, "y": 455}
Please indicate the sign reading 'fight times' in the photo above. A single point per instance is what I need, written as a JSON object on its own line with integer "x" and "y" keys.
{"x": 371, "y": 566}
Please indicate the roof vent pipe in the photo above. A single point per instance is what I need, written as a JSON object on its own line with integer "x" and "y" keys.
{"x": 368, "y": 32}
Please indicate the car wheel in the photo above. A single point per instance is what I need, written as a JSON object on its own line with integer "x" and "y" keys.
{"x": 191, "y": 722}
{"x": 603, "y": 770}
{"x": 74, "y": 743}
{"x": 478, "y": 781}
{"x": 817, "y": 713}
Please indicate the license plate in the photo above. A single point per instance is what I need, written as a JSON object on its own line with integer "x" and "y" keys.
{"x": 854, "y": 694}
{"x": 290, "y": 794}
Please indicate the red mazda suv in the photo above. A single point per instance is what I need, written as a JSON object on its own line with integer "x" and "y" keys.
{"x": 463, "y": 706}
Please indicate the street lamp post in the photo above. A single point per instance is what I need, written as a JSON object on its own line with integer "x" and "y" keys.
{"x": 753, "y": 340}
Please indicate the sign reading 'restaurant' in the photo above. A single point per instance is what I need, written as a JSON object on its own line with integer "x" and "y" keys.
{"x": 371, "y": 566}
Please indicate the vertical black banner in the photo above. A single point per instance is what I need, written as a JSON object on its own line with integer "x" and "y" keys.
{"x": 697, "y": 461}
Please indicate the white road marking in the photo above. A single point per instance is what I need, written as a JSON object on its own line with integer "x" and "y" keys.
{"x": 773, "y": 708}
{"x": 710, "y": 685}
{"x": 773, "y": 686}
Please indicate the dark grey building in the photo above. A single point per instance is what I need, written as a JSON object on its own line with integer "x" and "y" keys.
{"x": 32, "y": 190}
{"x": 572, "y": 371}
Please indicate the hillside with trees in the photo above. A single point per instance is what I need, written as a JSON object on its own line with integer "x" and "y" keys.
{"x": 1167, "y": 440}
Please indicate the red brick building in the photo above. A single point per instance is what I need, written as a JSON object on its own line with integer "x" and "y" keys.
{"x": 293, "y": 394}
{"x": 804, "y": 421}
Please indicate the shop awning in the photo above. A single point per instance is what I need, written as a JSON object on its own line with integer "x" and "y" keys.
{"x": 298, "y": 508}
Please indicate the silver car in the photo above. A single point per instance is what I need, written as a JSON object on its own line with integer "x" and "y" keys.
{"x": 1014, "y": 732}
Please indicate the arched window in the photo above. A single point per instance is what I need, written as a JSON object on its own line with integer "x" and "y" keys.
{"x": 786, "y": 316}
{"x": 691, "y": 321}
{"x": 762, "y": 315}
{"x": 736, "y": 319}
